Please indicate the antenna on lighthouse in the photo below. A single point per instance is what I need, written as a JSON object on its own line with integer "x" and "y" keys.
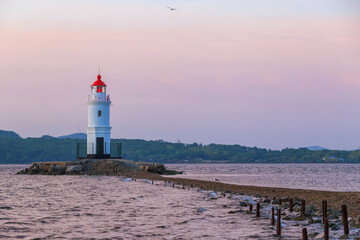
{"x": 99, "y": 70}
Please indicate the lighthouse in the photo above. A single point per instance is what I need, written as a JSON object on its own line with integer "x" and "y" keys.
{"x": 98, "y": 129}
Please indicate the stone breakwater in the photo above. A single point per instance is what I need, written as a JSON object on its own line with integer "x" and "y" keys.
{"x": 108, "y": 167}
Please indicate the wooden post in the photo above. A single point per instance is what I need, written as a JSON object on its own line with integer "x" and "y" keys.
{"x": 304, "y": 234}
{"x": 303, "y": 207}
{"x": 183, "y": 186}
{"x": 278, "y": 225}
{"x": 272, "y": 216}
{"x": 291, "y": 205}
{"x": 345, "y": 219}
{"x": 326, "y": 229}
{"x": 258, "y": 210}
{"x": 324, "y": 209}
{"x": 152, "y": 181}
{"x": 280, "y": 202}
{"x": 250, "y": 208}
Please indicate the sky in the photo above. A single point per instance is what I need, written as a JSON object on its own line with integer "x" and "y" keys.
{"x": 271, "y": 74}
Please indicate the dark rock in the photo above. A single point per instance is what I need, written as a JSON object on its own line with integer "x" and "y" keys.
{"x": 289, "y": 217}
{"x": 201, "y": 210}
{"x": 311, "y": 220}
{"x": 232, "y": 212}
{"x": 311, "y": 210}
{"x": 54, "y": 169}
{"x": 300, "y": 218}
{"x": 74, "y": 169}
{"x": 334, "y": 226}
{"x": 313, "y": 234}
{"x": 334, "y": 214}
{"x": 111, "y": 167}
{"x": 243, "y": 204}
{"x": 183, "y": 222}
{"x": 319, "y": 236}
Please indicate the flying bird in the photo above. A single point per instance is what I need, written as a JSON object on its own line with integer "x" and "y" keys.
{"x": 172, "y": 9}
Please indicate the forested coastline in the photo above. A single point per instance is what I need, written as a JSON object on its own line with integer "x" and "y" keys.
{"x": 17, "y": 150}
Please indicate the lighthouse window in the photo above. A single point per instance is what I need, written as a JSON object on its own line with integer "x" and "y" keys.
{"x": 99, "y": 89}
{"x": 99, "y": 113}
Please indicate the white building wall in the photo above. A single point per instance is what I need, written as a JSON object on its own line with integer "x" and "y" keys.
{"x": 93, "y": 117}
{"x": 98, "y": 126}
{"x": 95, "y": 132}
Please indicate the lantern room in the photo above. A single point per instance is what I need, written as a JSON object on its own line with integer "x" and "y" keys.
{"x": 99, "y": 86}
{"x": 98, "y": 90}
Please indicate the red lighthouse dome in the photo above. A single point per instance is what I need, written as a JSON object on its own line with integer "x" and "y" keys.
{"x": 98, "y": 82}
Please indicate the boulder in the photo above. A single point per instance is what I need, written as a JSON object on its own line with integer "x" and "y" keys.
{"x": 73, "y": 169}
{"x": 55, "y": 169}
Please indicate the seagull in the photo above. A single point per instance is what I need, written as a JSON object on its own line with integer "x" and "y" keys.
{"x": 216, "y": 180}
{"x": 172, "y": 9}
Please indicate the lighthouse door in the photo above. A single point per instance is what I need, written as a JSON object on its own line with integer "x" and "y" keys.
{"x": 99, "y": 147}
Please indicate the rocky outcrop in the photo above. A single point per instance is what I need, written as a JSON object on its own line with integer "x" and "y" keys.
{"x": 110, "y": 167}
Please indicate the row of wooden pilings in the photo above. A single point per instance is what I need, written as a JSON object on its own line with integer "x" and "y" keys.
{"x": 304, "y": 230}
{"x": 303, "y": 213}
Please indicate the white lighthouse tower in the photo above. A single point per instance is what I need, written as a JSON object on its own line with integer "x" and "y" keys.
{"x": 98, "y": 130}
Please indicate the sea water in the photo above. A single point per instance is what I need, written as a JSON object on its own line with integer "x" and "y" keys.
{"x": 103, "y": 207}
{"x": 328, "y": 177}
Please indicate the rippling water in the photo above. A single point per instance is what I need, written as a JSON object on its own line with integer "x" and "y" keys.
{"x": 103, "y": 207}
{"x": 330, "y": 177}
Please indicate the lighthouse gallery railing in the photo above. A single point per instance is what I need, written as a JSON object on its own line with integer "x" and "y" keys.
{"x": 115, "y": 150}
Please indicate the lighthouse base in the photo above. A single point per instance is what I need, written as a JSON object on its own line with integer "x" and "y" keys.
{"x": 99, "y": 156}
{"x": 115, "y": 152}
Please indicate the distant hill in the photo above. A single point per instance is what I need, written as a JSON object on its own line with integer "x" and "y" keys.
{"x": 316, "y": 148}
{"x": 47, "y": 136}
{"x": 14, "y": 149}
{"x": 74, "y": 136}
{"x": 8, "y": 134}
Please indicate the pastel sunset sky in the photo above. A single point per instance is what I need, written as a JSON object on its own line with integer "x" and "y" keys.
{"x": 262, "y": 73}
